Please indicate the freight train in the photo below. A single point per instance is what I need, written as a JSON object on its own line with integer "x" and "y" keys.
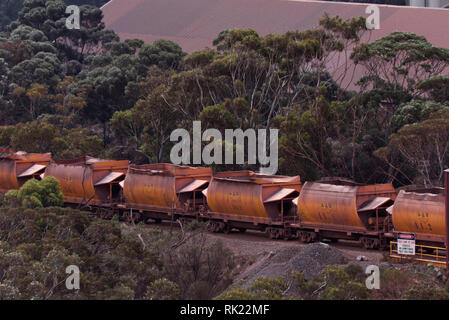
{"x": 285, "y": 208}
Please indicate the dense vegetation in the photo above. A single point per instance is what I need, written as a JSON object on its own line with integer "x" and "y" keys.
{"x": 39, "y": 240}
{"x": 347, "y": 283}
{"x": 9, "y": 9}
{"x": 82, "y": 92}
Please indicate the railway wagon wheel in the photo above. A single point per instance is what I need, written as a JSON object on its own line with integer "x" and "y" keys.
{"x": 132, "y": 217}
{"x": 152, "y": 220}
{"x": 226, "y": 228}
{"x": 105, "y": 214}
{"x": 275, "y": 233}
{"x": 370, "y": 243}
{"x": 215, "y": 226}
{"x": 307, "y": 236}
{"x": 211, "y": 226}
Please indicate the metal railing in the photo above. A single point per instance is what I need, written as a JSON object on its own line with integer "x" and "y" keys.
{"x": 422, "y": 253}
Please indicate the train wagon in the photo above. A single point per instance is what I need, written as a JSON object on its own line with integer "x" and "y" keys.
{"x": 421, "y": 212}
{"x": 89, "y": 182}
{"x": 18, "y": 167}
{"x": 156, "y": 191}
{"x": 247, "y": 200}
{"x": 345, "y": 211}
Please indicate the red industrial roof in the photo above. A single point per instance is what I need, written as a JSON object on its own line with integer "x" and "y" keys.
{"x": 194, "y": 24}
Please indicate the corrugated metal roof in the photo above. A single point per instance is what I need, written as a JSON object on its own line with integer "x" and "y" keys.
{"x": 192, "y": 186}
{"x": 35, "y": 168}
{"x": 109, "y": 178}
{"x": 279, "y": 195}
{"x": 373, "y": 204}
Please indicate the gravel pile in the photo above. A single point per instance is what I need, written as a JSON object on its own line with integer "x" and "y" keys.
{"x": 310, "y": 260}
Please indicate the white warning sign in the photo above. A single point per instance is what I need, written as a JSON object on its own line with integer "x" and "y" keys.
{"x": 406, "y": 243}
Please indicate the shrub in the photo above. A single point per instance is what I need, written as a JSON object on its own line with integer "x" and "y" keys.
{"x": 393, "y": 283}
{"x": 36, "y": 194}
{"x": 261, "y": 289}
{"x": 162, "y": 289}
{"x": 426, "y": 292}
{"x": 338, "y": 284}
{"x": 355, "y": 272}
{"x": 116, "y": 262}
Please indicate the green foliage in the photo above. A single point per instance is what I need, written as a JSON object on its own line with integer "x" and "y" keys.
{"x": 262, "y": 289}
{"x": 393, "y": 283}
{"x": 396, "y": 63}
{"x": 42, "y": 136}
{"x": 162, "y": 289}
{"x": 333, "y": 283}
{"x": 200, "y": 269}
{"x": 217, "y": 117}
{"x": 163, "y": 53}
{"x": 422, "y": 145}
{"x": 426, "y": 292}
{"x": 116, "y": 262}
{"x": 413, "y": 112}
{"x": 87, "y": 92}
{"x": 36, "y": 194}
{"x": 436, "y": 86}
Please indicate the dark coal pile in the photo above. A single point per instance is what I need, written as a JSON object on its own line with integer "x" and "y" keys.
{"x": 310, "y": 260}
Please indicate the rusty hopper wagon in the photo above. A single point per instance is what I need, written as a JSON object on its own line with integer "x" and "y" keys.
{"x": 421, "y": 212}
{"x": 345, "y": 210}
{"x": 18, "y": 167}
{"x": 89, "y": 182}
{"x": 247, "y": 200}
{"x": 156, "y": 191}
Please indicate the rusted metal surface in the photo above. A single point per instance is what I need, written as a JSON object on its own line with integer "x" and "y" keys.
{"x": 341, "y": 207}
{"x": 18, "y": 167}
{"x": 421, "y": 213}
{"x": 165, "y": 187}
{"x": 249, "y": 194}
{"x": 87, "y": 180}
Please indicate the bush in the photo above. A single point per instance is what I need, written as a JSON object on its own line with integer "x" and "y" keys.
{"x": 36, "y": 246}
{"x": 200, "y": 269}
{"x": 261, "y": 289}
{"x": 163, "y": 289}
{"x": 36, "y": 194}
{"x": 394, "y": 283}
{"x": 425, "y": 292}
{"x": 355, "y": 272}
